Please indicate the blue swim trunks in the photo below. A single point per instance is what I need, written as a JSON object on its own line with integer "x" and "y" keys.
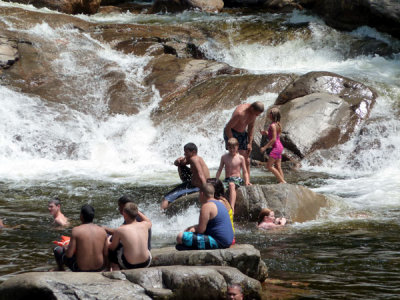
{"x": 237, "y": 180}
{"x": 181, "y": 190}
{"x": 198, "y": 241}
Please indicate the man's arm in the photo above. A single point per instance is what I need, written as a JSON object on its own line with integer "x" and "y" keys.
{"x": 221, "y": 166}
{"x": 72, "y": 244}
{"x": 250, "y": 131}
{"x": 204, "y": 217}
{"x": 144, "y": 219}
{"x": 115, "y": 240}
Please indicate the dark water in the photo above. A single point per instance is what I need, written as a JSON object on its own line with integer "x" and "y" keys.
{"x": 344, "y": 260}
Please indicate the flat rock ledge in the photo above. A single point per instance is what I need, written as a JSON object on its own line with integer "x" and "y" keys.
{"x": 198, "y": 279}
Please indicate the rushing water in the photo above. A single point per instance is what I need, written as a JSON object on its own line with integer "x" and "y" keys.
{"x": 83, "y": 155}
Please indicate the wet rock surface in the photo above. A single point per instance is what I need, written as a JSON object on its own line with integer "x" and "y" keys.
{"x": 168, "y": 281}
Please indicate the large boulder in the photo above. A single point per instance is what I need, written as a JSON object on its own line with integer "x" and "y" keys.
{"x": 66, "y": 6}
{"x": 353, "y": 92}
{"x": 295, "y": 202}
{"x": 349, "y": 14}
{"x": 171, "y": 282}
{"x": 181, "y": 5}
{"x": 246, "y": 258}
{"x": 320, "y": 110}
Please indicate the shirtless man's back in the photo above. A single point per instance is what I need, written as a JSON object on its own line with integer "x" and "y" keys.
{"x": 87, "y": 248}
{"x": 133, "y": 236}
{"x": 90, "y": 242}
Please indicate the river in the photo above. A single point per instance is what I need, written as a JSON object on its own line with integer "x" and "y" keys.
{"x": 83, "y": 155}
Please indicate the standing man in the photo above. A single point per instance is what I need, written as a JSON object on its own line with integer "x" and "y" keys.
{"x": 87, "y": 249}
{"x": 214, "y": 230}
{"x": 241, "y": 127}
{"x": 54, "y": 207}
{"x": 191, "y": 183}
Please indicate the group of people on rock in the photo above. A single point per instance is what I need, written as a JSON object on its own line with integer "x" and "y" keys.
{"x": 93, "y": 248}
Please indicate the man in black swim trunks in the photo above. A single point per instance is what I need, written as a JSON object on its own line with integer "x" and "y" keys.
{"x": 241, "y": 127}
{"x": 87, "y": 249}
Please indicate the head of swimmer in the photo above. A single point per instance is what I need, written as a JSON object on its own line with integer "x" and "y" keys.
{"x": 189, "y": 150}
{"x": 54, "y": 206}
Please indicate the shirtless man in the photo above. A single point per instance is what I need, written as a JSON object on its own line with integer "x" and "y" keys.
{"x": 87, "y": 249}
{"x": 267, "y": 220}
{"x": 133, "y": 235}
{"x": 54, "y": 207}
{"x": 233, "y": 162}
{"x": 241, "y": 127}
{"x": 199, "y": 175}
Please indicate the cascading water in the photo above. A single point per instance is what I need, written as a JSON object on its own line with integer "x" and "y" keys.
{"x": 75, "y": 149}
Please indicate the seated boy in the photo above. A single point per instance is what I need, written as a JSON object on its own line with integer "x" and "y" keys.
{"x": 133, "y": 236}
{"x": 233, "y": 162}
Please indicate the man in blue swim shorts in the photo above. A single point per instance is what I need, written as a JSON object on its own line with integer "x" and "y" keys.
{"x": 192, "y": 178}
{"x": 214, "y": 230}
{"x": 241, "y": 127}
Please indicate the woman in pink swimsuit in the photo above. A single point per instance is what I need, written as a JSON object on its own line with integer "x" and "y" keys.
{"x": 275, "y": 156}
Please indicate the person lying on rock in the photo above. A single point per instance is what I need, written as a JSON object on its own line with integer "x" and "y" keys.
{"x": 192, "y": 178}
{"x": 233, "y": 163}
{"x": 87, "y": 249}
{"x": 133, "y": 236}
{"x": 54, "y": 208}
{"x": 267, "y": 220}
{"x": 214, "y": 230}
{"x": 122, "y": 201}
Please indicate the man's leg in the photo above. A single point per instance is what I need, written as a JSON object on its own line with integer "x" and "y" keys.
{"x": 58, "y": 255}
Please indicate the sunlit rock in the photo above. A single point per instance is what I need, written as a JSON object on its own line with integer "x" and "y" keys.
{"x": 244, "y": 257}
{"x": 174, "y": 282}
{"x": 214, "y": 94}
{"x": 296, "y": 203}
{"x": 326, "y": 82}
{"x": 181, "y": 5}
{"x": 8, "y": 52}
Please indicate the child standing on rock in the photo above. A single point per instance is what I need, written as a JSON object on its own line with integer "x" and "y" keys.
{"x": 275, "y": 156}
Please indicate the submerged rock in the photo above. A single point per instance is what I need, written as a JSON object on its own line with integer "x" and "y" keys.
{"x": 296, "y": 203}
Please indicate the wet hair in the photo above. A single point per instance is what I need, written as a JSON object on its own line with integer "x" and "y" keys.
{"x": 208, "y": 190}
{"x": 233, "y": 142}
{"x": 131, "y": 210}
{"x": 55, "y": 200}
{"x": 276, "y": 117}
{"x": 264, "y": 212}
{"x": 191, "y": 147}
{"x": 124, "y": 200}
{"x": 87, "y": 213}
{"x": 219, "y": 190}
{"x": 236, "y": 286}
{"x": 258, "y": 106}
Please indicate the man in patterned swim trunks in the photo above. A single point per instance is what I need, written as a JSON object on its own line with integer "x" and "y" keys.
{"x": 214, "y": 230}
{"x": 241, "y": 127}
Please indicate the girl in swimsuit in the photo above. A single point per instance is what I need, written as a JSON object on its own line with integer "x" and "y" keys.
{"x": 275, "y": 156}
